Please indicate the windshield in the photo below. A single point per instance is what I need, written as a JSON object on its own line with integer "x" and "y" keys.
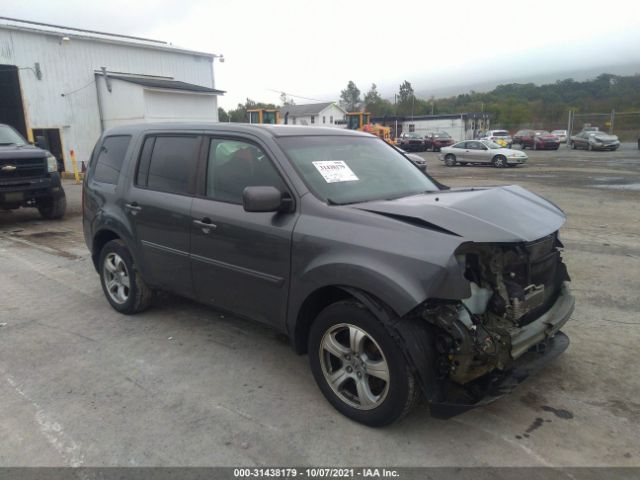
{"x": 346, "y": 169}
{"x": 441, "y": 135}
{"x": 542, "y": 132}
{"x": 500, "y": 133}
{"x": 414, "y": 135}
{"x": 8, "y": 136}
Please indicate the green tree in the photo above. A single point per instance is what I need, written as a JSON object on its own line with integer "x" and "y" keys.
{"x": 285, "y": 100}
{"x": 406, "y": 99}
{"x": 222, "y": 115}
{"x": 350, "y": 98}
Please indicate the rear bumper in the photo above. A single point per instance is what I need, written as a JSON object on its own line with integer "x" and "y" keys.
{"x": 532, "y": 348}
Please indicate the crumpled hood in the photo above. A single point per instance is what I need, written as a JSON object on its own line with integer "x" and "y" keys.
{"x": 496, "y": 214}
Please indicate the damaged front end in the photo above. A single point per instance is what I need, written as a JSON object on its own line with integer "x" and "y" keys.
{"x": 487, "y": 343}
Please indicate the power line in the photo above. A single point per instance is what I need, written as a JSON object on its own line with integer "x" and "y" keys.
{"x": 295, "y": 96}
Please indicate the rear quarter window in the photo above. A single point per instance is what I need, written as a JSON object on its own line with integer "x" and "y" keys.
{"x": 110, "y": 157}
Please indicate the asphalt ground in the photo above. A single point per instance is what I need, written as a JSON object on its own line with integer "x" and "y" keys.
{"x": 182, "y": 384}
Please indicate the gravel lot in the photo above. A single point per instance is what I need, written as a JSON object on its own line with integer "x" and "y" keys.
{"x": 182, "y": 384}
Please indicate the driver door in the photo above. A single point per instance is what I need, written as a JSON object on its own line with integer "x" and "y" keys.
{"x": 240, "y": 260}
{"x": 477, "y": 152}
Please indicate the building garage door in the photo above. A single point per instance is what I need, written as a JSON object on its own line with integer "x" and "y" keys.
{"x": 11, "y": 109}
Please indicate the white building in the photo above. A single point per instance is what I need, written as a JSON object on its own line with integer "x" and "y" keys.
{"x": 318, "y": 114}
{"x": 65, "y": 85}
{"x": 460, "y": 126}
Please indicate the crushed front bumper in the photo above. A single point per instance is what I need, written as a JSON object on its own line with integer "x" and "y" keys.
{"x": 533, "y": 347}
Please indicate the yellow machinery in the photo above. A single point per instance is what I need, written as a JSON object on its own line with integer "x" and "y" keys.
{"x": 263, "y": 115}
{"x": 361, "y": 121}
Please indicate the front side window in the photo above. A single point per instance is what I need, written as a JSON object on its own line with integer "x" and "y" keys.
{"x": 233, "y": 165}
{"x": 346, "y": 169}
{"x": 475, "y": 146}
{"x": 110, "y": 157}
{"x": 170, "y": 163}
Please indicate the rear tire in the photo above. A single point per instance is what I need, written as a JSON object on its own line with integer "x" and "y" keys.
{"x": 450, "y": 160}
{"x": 349, "y": 345}
{"x": 52, "y": 208}
{"x": 122, "y": 284}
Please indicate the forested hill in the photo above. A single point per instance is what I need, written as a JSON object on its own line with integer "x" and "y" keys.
{"x": 516, "y": 104}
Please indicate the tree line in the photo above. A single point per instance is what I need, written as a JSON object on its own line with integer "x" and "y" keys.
{"x": 510, "y": 105}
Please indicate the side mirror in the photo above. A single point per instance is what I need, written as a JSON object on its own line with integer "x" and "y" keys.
{"x": 263, "y": 199}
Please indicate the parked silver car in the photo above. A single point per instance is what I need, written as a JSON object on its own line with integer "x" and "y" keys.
{"x": 481, "y": 151}
{"x": 595, "y": 140}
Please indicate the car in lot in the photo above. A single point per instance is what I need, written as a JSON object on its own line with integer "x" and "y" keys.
{"x": 595, "y": 140}
{"x": 395, "y": 287}
{"x": 561, "y": 135}
{"x": 411, "y": 142}
{"x": 481, "y": 152}
{"x": 501, "y": 137}
{"x": 536, "y": 140}
{"x": 437, "y": 140}
{"x": 29, "y": 176}
{"x": 417, "y": 160}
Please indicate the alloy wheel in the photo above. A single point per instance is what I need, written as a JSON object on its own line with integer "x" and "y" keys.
{"x": 354, "y": 366}
{"x": 116, "y": 278}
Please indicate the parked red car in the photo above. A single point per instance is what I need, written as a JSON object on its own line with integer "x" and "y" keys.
{"x": 536, "y": 139}
{"x": 436, "y": 140}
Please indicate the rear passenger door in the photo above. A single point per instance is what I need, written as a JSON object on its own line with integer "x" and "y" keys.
{"x": 159, "y": 207}
{"x": 240, "y": 260}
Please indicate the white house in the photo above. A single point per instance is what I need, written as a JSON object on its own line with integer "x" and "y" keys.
{"x": 66, "y": 85}
{"x": 319, "y": 114}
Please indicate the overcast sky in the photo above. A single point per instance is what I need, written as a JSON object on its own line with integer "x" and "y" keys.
{"x": 313, "y": 48}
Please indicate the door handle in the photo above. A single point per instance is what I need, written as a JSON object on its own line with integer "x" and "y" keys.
{"x": 205, "y": 224}
{"x": 133, "y": 208}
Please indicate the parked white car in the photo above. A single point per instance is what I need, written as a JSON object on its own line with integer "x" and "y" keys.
{"x": 481, "y": 151}
{"x": 561, "y": 134}
{"x": 501, "y": 137}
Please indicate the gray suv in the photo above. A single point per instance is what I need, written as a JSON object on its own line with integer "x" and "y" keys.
{"x": 396, "y": 287}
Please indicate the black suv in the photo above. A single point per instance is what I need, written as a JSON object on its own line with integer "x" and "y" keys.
{"x": 29, "y": 176}
{"x": 395, "y": 288}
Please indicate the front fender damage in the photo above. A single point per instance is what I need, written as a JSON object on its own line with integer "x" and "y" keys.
{"x": 471, "y": 351}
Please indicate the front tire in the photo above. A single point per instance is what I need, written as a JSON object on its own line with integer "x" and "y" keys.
{"x": 450, "y": 160}
{"x": 500, "y": 161}
{"x": 52, "y": 208}
{"x": 359, "y": 367}
{"x": 121, "y": 282}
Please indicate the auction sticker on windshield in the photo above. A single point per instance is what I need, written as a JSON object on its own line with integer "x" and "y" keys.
{"x": 335, "y": 171}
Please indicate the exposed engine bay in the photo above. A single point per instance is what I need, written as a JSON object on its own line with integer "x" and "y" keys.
{"x": 512, "y": 286}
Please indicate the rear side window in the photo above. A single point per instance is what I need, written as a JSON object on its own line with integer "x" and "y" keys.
{"x": 168, "y": 163}
{"x": 110, "y": 157}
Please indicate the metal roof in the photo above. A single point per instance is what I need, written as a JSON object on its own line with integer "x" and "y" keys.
{"x": 167, "y": 84}
{"x": 305, "y": 110}
{"x": 84, "y": 34}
